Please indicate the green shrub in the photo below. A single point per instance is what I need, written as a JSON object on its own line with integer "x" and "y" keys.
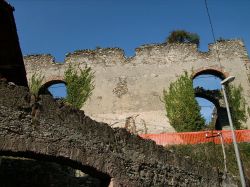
{"x": 212, "y": 155}
{"x": 237, "y": 105}
{"x": 79, "y": 85}
{"x": 182, "y": 109}
{"x": 182, "y": 36}
{"x": 35, "y": 83}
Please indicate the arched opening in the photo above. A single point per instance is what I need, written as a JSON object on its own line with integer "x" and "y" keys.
{"x": 210, "y": 113}
{"x": 210, "y": 71}
{"x": 56, "y": 88}
{"x": 208, "y": 94}
{"x": 31, "y": 169}
{"x": 207, "y": 81}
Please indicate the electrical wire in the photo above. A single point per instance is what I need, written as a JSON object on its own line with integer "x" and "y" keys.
{"x": 208, "y": 76}
{"x": 52, "y": 87}
{"x": 207, "y": 106}
{"x": 218, "y": 57}
{"x": 213, "y": 34}
{"x": 210, "y": 21}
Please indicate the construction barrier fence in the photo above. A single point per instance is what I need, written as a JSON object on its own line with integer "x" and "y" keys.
{"x": 198, "y": 137}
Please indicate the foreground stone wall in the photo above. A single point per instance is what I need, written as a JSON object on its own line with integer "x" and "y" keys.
{"x": 66, "y": 136}
{"x": 126, "y": 87}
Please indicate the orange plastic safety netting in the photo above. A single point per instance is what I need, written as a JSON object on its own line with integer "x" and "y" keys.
{"x": 198, "y": 137}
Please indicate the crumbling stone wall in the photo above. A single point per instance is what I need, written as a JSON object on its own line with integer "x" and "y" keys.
{"x": 65, "y": 135}
{"x": 133, "y": 86}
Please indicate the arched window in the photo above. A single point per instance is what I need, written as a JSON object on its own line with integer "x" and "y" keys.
{"x": 56, "y": 88}
{"x": 208, "y": 95}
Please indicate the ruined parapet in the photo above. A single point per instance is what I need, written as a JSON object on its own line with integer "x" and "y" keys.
{"x": 99, "y": 56}
{"x": 228, "y": 49}
{"x": 38, "y": 61}
{"x": 147, "y": 54}
{"x": 165, "y": 53}
{"x": 43, "y": 64}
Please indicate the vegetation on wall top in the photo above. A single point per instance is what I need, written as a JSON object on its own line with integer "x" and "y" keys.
{"x": 182, "y": 36}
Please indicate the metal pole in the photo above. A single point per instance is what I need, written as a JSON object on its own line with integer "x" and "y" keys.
{"x": 242, "y": 179}
{"x": 224, "y": 153}
{"x": 223, "y": 150}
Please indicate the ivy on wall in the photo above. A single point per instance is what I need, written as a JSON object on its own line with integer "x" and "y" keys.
{"x": 182, "y": 109}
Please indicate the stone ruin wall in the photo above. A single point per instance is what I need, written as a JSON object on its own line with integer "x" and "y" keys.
{"x": 134, "y": 86}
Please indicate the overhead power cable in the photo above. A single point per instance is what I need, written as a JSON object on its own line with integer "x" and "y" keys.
{"x": 207, "y": 106}
{"x": 210, "y": 21}
{"x": 213, "y": 34}
{"x": 52, "y": 87}
{"x": 207, "y": 76}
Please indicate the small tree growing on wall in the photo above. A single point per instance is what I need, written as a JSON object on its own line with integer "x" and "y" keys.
{"x": 35, "y": 83}
{"x": 79, "y": 85}
{"x": 182, "y": 109}
{"x": 182, "y": 36}
{"x": 237, "y": 105}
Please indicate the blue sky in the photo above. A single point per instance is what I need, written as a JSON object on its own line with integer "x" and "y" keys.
{"x": 61, "y": 26}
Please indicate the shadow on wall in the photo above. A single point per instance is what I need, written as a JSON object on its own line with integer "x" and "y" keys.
{"x": 30, "y": 173}
{"x": 31, "y": 169}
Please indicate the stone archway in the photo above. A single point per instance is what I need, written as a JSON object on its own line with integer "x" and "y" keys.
{"x": 48, "y": 83}
{"x": 214, "y": 96}
{"x": 213, "y": 70}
